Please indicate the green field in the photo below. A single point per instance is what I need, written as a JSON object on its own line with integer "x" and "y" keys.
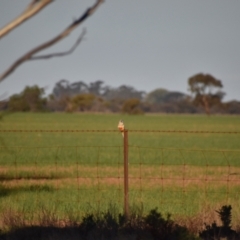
{"x": 49, "y": 162}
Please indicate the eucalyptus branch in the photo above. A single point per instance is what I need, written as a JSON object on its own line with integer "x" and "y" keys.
{"x": 30, "y": 55}
{"x": 33, "y": 8}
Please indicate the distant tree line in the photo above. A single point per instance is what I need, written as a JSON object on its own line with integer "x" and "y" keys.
{"x": 206, "y": 97}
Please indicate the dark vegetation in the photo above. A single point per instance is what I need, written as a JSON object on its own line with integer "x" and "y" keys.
{"x": 110, "y": 225}
{"x": 225, "y": 231}
{"x": 206, "y": 97}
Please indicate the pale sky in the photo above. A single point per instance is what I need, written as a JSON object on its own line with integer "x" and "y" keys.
{"x": 146, "y": 44}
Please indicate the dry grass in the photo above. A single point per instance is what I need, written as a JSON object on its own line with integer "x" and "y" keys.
{"x": 147, "y": 176}
{"x": 151, "y": 176}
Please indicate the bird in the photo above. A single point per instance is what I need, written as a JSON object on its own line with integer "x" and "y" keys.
{"x": 121, "y": 127}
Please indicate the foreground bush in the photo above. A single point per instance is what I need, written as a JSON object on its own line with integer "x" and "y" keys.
{"x": 225, "y": 231}
{"x": 112, "y": 226}
{"x": 107, "y": 226}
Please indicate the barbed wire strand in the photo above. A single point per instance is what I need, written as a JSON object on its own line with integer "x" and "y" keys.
{"x": 112, "y": 131}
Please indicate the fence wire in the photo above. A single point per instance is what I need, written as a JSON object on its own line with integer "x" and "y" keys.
{"x": 180, "y": 172}
{"x": 109, "y": 131}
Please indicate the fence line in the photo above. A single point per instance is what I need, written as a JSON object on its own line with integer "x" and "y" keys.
{"x": 111, "y": 131}
{"x": 173, "y": 178}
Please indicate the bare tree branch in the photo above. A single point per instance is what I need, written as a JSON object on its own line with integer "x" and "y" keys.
{"x": 61, "y": 54}
{"x": 51, "y": 42}
{"x": 33, "y": 8}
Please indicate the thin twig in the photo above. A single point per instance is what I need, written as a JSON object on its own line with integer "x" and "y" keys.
{"x": 61, "y": 54}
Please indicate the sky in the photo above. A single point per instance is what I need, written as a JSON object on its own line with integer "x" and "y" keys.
{"x": 146, "y": 44}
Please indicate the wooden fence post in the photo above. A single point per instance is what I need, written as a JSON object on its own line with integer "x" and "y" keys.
{"x": 125, "y": 154}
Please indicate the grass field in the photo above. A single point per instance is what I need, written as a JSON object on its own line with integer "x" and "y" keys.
{"x": 70, "y": 173}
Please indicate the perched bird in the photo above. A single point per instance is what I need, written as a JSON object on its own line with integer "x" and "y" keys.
{"x": 121, "y": 127}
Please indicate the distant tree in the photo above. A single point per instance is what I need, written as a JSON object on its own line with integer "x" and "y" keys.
{"x": 57, "y": 104}
{"x": 156, "y": 96}
{"x": 96, "y": 88}
{"x": 122, "y": 92}
{"x": 30, "y": 99}
{"x": 205, "y": 89}
{"x": 161, "y": 95}
{"x": 3, "y": 105}
{"x": 132, "y": 106}
{"x": 17, "y": 103}
{"x": 114, "y": 105}
{"x": 81, "y": 102}
{"x": 106, "y": 97}
{"x": 174, "y": 96}
{"x": 64, "y": 88}
{"x": 232, "y": 107}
